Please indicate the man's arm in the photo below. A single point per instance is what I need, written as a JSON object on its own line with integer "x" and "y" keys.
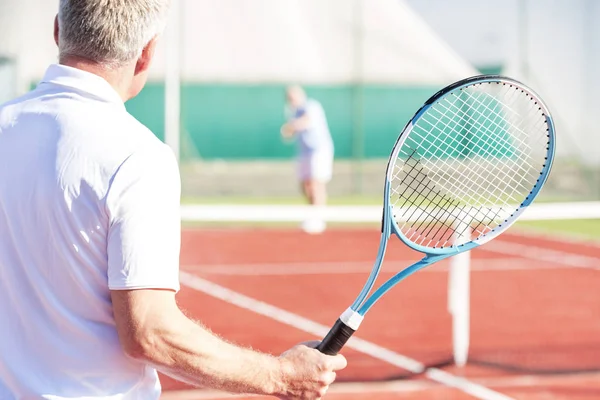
{"x": 301, "y": 123}
{"x": 289, "y": 129}
{"x": 152, "y": 329}
{"x": 294, "y": 125}
{"x": 143, "y": 276}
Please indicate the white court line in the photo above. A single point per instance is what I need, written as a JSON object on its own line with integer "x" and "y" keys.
{"x": 553, "y": 259}
{"x": 542, "y": 254}
{"x": 363, "y": 346}
{"x": 350, "y": 268}
{"x": 352, "y": 388}
{"x": 571, "y": 237}
{"x": 401, "y": 386}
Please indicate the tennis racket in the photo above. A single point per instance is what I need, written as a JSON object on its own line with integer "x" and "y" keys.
{"x": 462, "y": 171}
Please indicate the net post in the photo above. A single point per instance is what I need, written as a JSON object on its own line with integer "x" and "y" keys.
{"x": 459, "y": 297}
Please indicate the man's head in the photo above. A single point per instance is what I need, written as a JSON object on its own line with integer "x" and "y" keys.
{"x": 116, "y": 36}
{"x": 295, "y": 96}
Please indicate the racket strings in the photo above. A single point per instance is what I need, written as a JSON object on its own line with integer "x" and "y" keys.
{"x": 478, "y": 177}
{"x": 468, "y": 163}
{"x": 458, "y": 183}
{"x": 435, "y": 226}
{"x": 522, "y": 175}
{"x": 506, "y": 173}
{"x": 460, "y": 178}
{"x": 432, "y": 222}
{"x": 532, "y": 171}
{"x": 516, "y": 128}
{"x": 512, "y": 171}
{"x": 423, "y": 137}
{"x": 409, "y": 191}
{"x": 502, "y": 142}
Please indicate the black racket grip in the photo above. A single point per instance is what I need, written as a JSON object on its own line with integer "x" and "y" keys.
{"x": 336, "y": 338}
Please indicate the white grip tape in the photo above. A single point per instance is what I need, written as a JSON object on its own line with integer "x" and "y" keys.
{"x": 351, "y": 318}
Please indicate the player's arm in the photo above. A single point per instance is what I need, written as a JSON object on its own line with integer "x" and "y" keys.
{"x": 153, "y": 329}
{"x": 295, "y": 125}
{"x": 301, "y": 123}
{"x": 291, "y": 128}
{"x": 143, "y": 204}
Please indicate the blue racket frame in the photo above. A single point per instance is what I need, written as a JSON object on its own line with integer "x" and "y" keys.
{"x": 341, "y": 331}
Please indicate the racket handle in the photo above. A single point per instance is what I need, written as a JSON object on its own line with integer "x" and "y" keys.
{"x": 335, "y": 339}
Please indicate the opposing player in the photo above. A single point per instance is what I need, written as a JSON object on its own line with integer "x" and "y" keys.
{"x": 307, "y": 124}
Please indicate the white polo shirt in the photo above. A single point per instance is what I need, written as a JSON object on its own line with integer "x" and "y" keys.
{"x": 89, "y": 202}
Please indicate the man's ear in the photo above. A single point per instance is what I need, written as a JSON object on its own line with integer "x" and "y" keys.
{"x": 145, "y": 59}
{"x": 56, "y": 29}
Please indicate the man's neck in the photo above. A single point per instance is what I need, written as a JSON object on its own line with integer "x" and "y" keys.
{"x": 115, "y": 77}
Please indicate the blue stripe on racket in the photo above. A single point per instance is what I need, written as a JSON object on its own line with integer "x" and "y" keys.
{"x": 464, "y": 168}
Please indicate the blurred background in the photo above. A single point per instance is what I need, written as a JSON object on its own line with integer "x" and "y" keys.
{"x": 217, "y": 94}
{"x": 370, "y": 63}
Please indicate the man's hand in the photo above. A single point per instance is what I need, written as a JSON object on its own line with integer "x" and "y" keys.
{"x": 287, "y": 131}
{"x": 307, "y": 373}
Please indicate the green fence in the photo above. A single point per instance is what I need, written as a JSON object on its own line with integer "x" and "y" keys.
{"x": 241, "y": 122}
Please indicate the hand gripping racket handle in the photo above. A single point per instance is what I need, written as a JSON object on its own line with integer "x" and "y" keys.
{"x": 335, "y": 339}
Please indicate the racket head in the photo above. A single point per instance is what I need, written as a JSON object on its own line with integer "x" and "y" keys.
{"x": 468, "y": 164}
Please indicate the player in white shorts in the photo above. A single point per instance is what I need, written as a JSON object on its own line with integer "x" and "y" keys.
{"x": 307, "y": 124}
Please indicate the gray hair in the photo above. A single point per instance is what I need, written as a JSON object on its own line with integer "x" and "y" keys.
{"x": 109, "y": 32}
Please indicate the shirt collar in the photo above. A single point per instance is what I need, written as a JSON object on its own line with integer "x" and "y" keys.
{"x": 78, "y": 79}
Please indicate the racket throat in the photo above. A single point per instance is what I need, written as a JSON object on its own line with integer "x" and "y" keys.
{"x": 383, "y": 242}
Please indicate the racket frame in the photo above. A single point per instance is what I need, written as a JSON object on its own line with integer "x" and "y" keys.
{"x": 352, "y": 317}
{"x": 479, "y": 79}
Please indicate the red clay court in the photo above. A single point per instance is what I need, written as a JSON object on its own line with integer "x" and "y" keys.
{"x": 535, "y": 313}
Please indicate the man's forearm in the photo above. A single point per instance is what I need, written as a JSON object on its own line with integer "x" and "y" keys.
{"x": 188, "y": 352}
{"x": 302, "y": 123}
{"x": 153, "y": 329}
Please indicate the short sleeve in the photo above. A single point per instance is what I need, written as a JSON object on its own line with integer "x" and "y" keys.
{"x": 144, "y": 235}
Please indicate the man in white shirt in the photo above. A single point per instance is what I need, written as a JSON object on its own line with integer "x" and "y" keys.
{"x": 307, "y": 124}
{"x": 90, "y": 235}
